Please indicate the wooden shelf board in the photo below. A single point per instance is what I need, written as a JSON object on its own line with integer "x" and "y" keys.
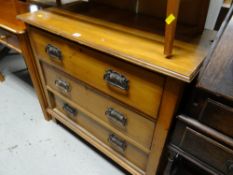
{"x": 13, "y": 45}
{"x": 8, "y": 19}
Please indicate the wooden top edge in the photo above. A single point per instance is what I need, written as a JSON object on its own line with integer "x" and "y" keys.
{"x": 10, "y": 29}
{"x": 29, "y": 18}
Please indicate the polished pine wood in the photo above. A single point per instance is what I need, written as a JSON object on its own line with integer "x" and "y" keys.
{"x": 8, "y": 11}
{"x": 88, "y": 100}
{"x": 91, "y": 67}
{"x": 88, "y": 47}
{"x": 146, "y": 49}
{"x": 172, "y": 93}
{"x": 172, "y": 9}
{"x": 33, "y": 71}
{"x": 10, "y": 40}
{"x": 96, "y": 142}
{"x": 131, "y": 153}
{"x": 1, "y": 77}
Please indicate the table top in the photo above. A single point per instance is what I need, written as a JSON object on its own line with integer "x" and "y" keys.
{"x": 8, "y": 12}
{"x": 131, "y": 45}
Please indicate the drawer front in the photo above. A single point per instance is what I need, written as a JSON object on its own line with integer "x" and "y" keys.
{"x": 9, "y": 39}
{"x": 129, "y": 84}
{"x": 116, "y": 116}
{"x": 207, "y": 150}
{"x": 218, "y": 116}
{"x": 130, "y": 152}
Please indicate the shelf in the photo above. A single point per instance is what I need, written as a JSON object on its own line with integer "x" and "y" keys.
{"x": 125, "y": 18}
{"x": 8, "y": 21}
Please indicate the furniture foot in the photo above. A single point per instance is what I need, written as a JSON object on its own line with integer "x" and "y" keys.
{"x": 2, "y": 78}
{"x": 171, "y": 158}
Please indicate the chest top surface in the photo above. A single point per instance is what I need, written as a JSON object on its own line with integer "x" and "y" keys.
{"x": 142, "y": 48}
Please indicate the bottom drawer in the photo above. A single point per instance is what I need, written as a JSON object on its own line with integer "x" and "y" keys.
{"x": 130, "y": 152}
{"x": 203, "y": 148}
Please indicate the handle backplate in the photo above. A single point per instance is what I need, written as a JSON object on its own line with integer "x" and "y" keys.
{"x": 116, "y": 79}
{"x": 117, "y": 143}
{"x": 69, "y": 109}
{"x": 116, "y": 117}
{"x": 53, "y": 52}
{"x": 63, "y": 85}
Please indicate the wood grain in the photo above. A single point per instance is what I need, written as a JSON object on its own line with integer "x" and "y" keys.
{"x": 147, "y": 53}
{"x": 121, "y": 160}
{"x": 8, "y": 12}
{"x": 132, "y": 153}
{"x": 96, "y": 103}
{"x": 10, "y": 40}
{"x": 172, "y": 94}
{"x": 90, "y": 66}
{"x": 2, "y": 78}
{"x": 170, "y": 31}
{"x": 33, "y": 71}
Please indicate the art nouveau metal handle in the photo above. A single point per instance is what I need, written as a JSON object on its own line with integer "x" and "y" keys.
{"x": 116, "y": 117}
{"x": 53, "y": 52}
{"x": 120, "y": 144}
{"x": 63, "y": 85}
{"x": 115, "y": 79}
{"x": 70, "y": 110}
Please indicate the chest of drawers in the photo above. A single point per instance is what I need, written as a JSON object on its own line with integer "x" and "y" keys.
{"x": 112, "y": 86}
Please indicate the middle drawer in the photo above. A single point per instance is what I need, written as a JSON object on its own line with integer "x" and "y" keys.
{"x": 115, "y": 115}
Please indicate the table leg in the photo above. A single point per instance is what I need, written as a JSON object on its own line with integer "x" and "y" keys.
{"x": 172, "y": 12}
{"x": 1, "y": 77}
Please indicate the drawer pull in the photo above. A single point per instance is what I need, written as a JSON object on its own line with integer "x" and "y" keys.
{"x": 70, "y": 110}
{"x": 115, "y": 141}
{"x": 116, "y": 117}
{"x": 115, "y": 79}
{"x": 53, "y": 52}
{"x": 63, "y": 85}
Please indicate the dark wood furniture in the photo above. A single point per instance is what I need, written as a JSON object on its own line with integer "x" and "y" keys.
{"x": 203, "y": 134}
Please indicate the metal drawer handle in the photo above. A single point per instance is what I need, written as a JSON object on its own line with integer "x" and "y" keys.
{"x": 70, "y": 110}
{"x": 53, "y": 52}
{"x": 63, "y": 85}
{"x": 116, "y": 117}
{"x": 115, "y": 79}
{"x": 120, "y": 144}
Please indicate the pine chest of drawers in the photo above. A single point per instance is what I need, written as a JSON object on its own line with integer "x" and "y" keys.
{"x": 112, "y": 88}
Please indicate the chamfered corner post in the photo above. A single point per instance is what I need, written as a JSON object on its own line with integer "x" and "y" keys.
{"x": 1, "y": 77}
{"x": 171, "y": 22}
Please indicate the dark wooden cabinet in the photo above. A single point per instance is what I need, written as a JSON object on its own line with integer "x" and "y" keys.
{"x": 202, "y": 137}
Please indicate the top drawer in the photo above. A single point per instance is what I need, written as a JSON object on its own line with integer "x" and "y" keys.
{"x": 130, "y": 84}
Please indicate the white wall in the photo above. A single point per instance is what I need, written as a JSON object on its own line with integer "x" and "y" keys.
{"x": 214, "y": 9}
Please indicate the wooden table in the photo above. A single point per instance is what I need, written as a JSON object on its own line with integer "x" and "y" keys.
{"x": 13, "y": 35}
